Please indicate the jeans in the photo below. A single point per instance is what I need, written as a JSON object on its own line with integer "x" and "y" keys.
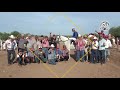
{"x": 11, "y": 56}
{"x": 19, "y": 59}
{"x": 94, "y": 55}
{"x": 107, "y": 53}
{"x": 46, "y": 52}
{"x": 65, "y": 58}
{"x": 52, "y": 61}
{"x": 80, "y": 54}
{"x": 102, "y": 56}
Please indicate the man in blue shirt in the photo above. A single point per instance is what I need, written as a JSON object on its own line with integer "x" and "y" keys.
{"x": 75, "y": 35}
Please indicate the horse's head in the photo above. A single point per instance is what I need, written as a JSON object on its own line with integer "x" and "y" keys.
{"x": 63, "y": 38}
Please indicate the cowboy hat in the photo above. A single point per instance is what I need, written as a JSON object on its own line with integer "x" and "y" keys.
{"x": 52, "y": 45}
{"x": 40, "y": 47}
{"x": 12, "y": 37}
{"x": 95, "y": 38}
{"x": 79, "y": 35}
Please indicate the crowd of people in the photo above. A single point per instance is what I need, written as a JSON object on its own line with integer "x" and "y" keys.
{"x": 34, "y": 49}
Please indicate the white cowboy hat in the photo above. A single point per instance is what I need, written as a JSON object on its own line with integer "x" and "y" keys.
{"x": 12, "y": 37}
{"x": 79, "y": 35}
{"x": 26, "y": 37}
{"x": 90, "y": 36}
{"x": 52, "y": 45}
{"x": 40, "y": 47}
{"x": 95, "y": 38}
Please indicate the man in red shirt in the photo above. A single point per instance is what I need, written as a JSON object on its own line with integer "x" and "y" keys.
{"x": 101, "y": 33}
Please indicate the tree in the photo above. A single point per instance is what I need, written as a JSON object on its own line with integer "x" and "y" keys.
{"x": 16, "y": 33}
{"x": 115, "y": 31}
{"x": 1, "y": 34}
{"x": 5, "y": 36}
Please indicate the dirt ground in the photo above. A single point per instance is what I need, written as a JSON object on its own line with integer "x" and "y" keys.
{"x": 80, "y": 70}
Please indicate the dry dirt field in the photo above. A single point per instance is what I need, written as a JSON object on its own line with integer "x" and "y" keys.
{"x": 82, "y": 70}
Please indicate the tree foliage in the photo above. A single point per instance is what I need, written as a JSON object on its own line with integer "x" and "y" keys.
{"x": 16, "y": 33}
{"x": 115, "y": 31}
{"x": 4, "y": 36}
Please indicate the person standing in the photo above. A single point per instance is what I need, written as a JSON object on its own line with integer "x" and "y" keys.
{"x": 10, "y": 46}
{"x": 94, "y": 50}
{"x": 80, "y": 48}
{"x": 108, "y": 45}
{"x": 45, "y": 46}
{"x": 21, "y": 44}
{"x": 75, "y": 35}
{"x": 101, "y": 46}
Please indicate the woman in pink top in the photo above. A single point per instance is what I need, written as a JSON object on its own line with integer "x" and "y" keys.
{"x": 80, "y": 48}
{"x": 45, "y": 45}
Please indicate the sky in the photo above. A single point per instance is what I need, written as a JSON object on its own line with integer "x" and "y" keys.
{"x": 42, "y": 23}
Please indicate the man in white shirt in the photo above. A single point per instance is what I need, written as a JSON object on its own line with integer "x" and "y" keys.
{"x": 101, "y": 46}
{"x": 94, "y": 51}
{"x": 10, "y": 46}
{"x": 107, "y": 46}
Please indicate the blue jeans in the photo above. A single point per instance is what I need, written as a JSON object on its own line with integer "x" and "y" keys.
{"x": 11, "y": 53}
{"x": 102, "y": 56}
{"x": 52, "y": 61}
{"x": 19, "y": 59}
{"x": 107, "y": 53}
{"x": 46, "y": 52}
{"x": 94, "y": 55}
{"x": 80, "y": 54}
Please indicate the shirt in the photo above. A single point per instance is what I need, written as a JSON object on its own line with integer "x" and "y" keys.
{"x": 30, "y": 43}
{"x": 65, "y": 52}
{"x": 75, "y": 35}
{"x": 45, "y": 43}
{"x": 95, "y": 45}
{"x": 102, "y": 44}
{"x": 21, "y": 43}
{"x": 39, "y": 44}
{"x": 10, "y": 45}
{"x": 108, "y": 43}
{"x": 52, "y": 54}
{"x": 80, "y": 45}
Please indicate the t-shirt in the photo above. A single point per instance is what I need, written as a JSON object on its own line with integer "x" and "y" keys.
{"x": 10, "y": 45}
{"x": 102, "y": 44}
{"x": 75, "y": 35}
{"x": 21, "y": 43}
{"x": 80, "y": 45}
{"x": 108, "y": 44}
{"x": 65, "y": 52}
{"x": 39, "y": 44}
{"x": 30, "y": 43}
{"x": 95, "y": 45}
{"x": 52, "y": 54}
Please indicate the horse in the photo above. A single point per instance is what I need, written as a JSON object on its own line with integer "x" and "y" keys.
{"x": 66, "y": 41}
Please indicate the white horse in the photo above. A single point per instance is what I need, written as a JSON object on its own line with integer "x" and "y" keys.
{"x": 66, "y": 41}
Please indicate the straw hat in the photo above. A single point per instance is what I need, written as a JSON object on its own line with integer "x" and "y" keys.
{"x": 95, "y": 38}
{"x": 52, "y": 45}
{"x": 12, "y": 37}
{"x": 79, "y": 35}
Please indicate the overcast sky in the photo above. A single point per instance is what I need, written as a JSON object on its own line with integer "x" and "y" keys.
{"x": 57, "y": 23}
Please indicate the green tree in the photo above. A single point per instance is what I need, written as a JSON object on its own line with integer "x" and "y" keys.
{"x": 5, "y": 36}
{"x": 115, "y": 31}
{"x": 16, "y": 33}
{"x": 1, "y": 34}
